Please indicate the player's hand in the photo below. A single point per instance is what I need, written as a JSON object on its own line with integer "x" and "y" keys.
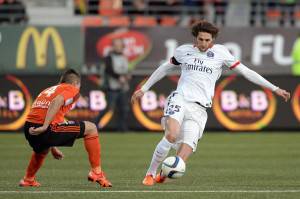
{"x": 136, "y": 95}
{"x": 283, "y": 93}
{"x": 56, "y": 153}
{"x": 38, "y": 130}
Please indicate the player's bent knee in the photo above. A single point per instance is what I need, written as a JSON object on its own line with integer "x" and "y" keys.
{"x": 171, "y": 137}
{"x": 172, "y": 125}
{"x": 172, "y": 131}
{"x": 172, "y": 134}
{"x": 90, "y": 128}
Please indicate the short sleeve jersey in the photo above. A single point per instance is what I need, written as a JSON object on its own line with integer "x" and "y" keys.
{"x": 41, "y": 104}
{"x": 201, "y": 70}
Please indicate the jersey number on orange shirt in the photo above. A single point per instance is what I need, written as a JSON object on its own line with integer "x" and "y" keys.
{"x": 49, "y": 91}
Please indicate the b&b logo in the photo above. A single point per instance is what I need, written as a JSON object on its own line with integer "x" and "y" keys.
{"x": 15, "y": 102}
{"x": 243, "y": 107}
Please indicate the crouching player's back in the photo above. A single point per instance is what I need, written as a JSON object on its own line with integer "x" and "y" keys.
{"x": 63, "y": 91}
{"x": 45, "y": 129}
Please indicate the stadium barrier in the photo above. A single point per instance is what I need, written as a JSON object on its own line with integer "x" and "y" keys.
{"x": 238, "y": 104}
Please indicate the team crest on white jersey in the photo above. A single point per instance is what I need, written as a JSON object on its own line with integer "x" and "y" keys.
{"x": 210, "y": 54}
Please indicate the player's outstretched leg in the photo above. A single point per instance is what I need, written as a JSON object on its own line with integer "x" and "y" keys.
{"x": 162, "y": 149}
{"x": 92, "y": 146}
{"x": 160, "y": 153}
{"x": 35, "y": 163}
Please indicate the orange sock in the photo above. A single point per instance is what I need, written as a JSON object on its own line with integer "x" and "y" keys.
{"x": 92, "y": 146}
{"x": 35, "y": 163}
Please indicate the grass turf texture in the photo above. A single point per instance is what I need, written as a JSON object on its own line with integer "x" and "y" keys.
{"x": 226, "y": 165}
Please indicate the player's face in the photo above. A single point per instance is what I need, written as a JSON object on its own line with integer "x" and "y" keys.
{"x": 204, "y": 41}
{"x": 77, "y": 85}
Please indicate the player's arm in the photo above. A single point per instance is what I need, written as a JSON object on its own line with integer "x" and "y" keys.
{"x": 157, "y": 75}
{"x": 259, "y": 80}
{"x": 54, "y": 107}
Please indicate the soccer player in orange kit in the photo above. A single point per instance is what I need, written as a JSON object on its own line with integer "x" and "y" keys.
{"x": 45, "y": 129}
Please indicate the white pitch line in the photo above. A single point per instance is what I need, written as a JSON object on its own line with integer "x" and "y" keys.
{"x": 155, "y": 191}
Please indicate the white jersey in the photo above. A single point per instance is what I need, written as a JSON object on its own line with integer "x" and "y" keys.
{"x": 200, "y": 71}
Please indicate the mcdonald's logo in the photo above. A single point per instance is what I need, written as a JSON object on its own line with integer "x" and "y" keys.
{"x": 40, "y": 41}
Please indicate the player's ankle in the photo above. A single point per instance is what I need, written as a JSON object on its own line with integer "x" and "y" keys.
{"x": 150, "y": 174}
{"x": 97, "y": 170}
{"x": 29, "y": 178}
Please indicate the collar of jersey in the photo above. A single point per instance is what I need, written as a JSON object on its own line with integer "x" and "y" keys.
{"x": 200, "y": 50}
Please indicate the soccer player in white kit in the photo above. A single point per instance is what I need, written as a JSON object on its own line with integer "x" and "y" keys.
{"x": 185, "y": 110}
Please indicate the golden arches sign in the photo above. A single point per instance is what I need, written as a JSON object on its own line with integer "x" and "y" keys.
{"x": 40, "y": 41}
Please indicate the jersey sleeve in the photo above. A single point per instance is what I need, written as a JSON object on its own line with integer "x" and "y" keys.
{"x": 177, "y": 59}
{"x": 70, "y": 94}
{"x": 229, "y": 60}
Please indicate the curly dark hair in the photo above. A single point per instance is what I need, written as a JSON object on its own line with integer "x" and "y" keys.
{"x": 204, "y": 26}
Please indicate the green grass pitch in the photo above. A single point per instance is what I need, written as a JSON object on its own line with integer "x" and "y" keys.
{"x": 226, "y": 165}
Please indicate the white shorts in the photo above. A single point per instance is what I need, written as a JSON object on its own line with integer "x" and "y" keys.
{"x": 191, "y": 117}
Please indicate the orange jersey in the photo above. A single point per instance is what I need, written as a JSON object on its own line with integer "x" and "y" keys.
{"x": 41, "y": 104}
